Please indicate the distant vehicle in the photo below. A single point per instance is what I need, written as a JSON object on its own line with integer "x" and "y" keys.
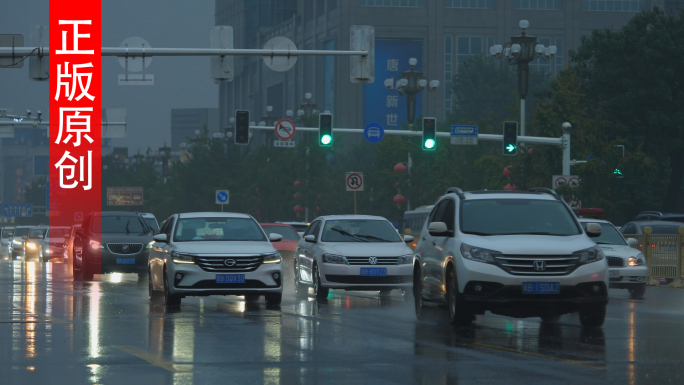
{"x": 19, "y": 237}
{"x": 34, "y": 243}
{"x": 414, "y": 221}
{"x": 288, "y": 244}
{"x": 589, "y": 213}
{"x": 151, "y": 221}
{"x": 513, "y": 253}
{"x": 111, "y": 242}
{"x": 53, "y": 243}
{"x": 627, "y": 265}
{"x": 657, "y": 227}
{"x": 5, "y": 240}
{"x": 200, "y": 254}
{"x": 299, "y": 226}
{"x": 658, "y": 216}
{"x": 352, "y": 252}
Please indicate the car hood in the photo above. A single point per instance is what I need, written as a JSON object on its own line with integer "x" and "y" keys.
{"x": 224, "y": 247}
{"x": 530, "y": 244}
{"x": 619, "y": 251}
{"x": 285, "y": 245}
{"x": 123, "y": 238}
{"x": 364, "y": 249}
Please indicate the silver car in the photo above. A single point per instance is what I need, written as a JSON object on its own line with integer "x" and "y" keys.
{"x": 200, "y": 254}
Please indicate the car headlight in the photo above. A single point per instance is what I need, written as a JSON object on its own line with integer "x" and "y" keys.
{"x": 31, "y": 245}
{"x": 15, "y": 242}
{"x": 46, "y": 251}
{"x": 478, "y": 254}
{"x": 181, "y": 258}
{"x": 639, "y": 260}
{"x": 334, "y": 258}
{"x": 405, "y": 259}
{"x": 149, "y": 245}
{"x": 95, "y": 245}
{"x": 272, "y": 258}
{"x": 590, "y": 255}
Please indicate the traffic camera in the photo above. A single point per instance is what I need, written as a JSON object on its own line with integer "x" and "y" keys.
{"x": 325, "y": 130}
{"x": 429, "y": 133}
{"x": 241, "y": 127}
{"x": 510, "y": 139}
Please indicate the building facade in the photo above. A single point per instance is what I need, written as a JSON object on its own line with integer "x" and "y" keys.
{"x": 187, "y": 122}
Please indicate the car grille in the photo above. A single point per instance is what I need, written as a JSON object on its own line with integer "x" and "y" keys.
{"x": 359, "y": 280}
{"x": 386, "y": 261}
{"x": 615, "y": 261}
{"x": 525, "y": 264}
{"x": 217, "y": 262}
{"x": 211, "y": 284}
{"x": 124, "y": 248}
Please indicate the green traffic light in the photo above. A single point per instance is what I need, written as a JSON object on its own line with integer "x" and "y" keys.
{"x": 510, "y": 148}
{"x": 430, "y": 143}
{"x": 617, "y": 172}
{"x": 326, "y": 139}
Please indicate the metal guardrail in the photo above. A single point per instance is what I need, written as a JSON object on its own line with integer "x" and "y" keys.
{"x": 664, "y": 255}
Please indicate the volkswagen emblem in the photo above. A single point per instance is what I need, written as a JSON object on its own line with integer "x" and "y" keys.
{"x": 124, "y": 248}
{"x": 230, "y": 262}
{"x": 539, "y": 265}
{"x": 372, "y": 260}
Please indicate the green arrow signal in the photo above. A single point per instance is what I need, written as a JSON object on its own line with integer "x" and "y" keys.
{"x": 510, "y": 148}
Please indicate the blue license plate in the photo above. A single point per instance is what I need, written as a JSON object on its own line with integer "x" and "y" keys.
{"x": 541, "y": 288}
{"x": 373, "y": 272}
{"x": 125, "y": 261}
{"x": 230, "y": 278}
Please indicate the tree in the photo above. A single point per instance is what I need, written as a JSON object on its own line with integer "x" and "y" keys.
{"x": 634, "y": 78}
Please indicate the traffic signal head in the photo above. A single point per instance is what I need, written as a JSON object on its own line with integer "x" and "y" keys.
{"x": 618, "y": 173}
{"x": 325, "y": 130}
{"x": 429, "y": 133}
{"x": 241, "y": 127}
{"x": 510, "y": 138}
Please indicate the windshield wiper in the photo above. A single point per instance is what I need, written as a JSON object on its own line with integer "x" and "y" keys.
{"x": 535, "y": 233}
{"x": 127, "y": 223}
{"x": 604, "y": 243}
{"x": 350, "y": 235}
{"x": 372, "y": 237}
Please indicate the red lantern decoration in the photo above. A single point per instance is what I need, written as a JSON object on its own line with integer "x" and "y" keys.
{"x": 396, "y": 185}
{"x": 507, "y": 171}
{"x": 298, "y": 196}
{"x": 257, "y": 214}
{"x": 298, "y": 209}
{"x": 529, "y": 150}
{"x": 399, "y": 200}
{"x": 399, "y": 168}
{"x": 318, "y": 198}
{"x": 297, "y": 183}
{"x": 316, "y": 210}
{"x": 510, "y": 187}
{"x": 256, "y": 190}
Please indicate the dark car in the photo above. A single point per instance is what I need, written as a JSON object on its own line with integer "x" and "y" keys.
{"x": 658, "y": 216}
{"x": 657, "y": 227}
{"x": 111, "y": 242}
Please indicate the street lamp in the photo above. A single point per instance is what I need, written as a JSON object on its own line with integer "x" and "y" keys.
{"x": 307, "y": 108}
{"x": 165, "y": 155}
{"x": 269, "y": 118}
{"x": 521, "y": 50}
{"x": 410, "y": 84}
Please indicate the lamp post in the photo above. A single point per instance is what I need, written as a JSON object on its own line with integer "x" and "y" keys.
{"x": 165, "y": 155}
{"x": 410, "y": 84}
{"x": 521, "y": 50}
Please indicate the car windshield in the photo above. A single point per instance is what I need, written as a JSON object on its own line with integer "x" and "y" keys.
{"x": 118, "y": 225}
{"x": 288, "y": 233}
{"x": 7, "y": 233}
{"x": 359, "y": 230}
{"x": 57, "y": 233}
{"x": 218, "y": 229}
{"x": 517, "y": 216}
{"x": 663, "y": 229}
{"x": 37, "y": 233}
{"x": 21, "y": 232}
{"x": 609, "y": 235}
{"x": 152, "y": 223}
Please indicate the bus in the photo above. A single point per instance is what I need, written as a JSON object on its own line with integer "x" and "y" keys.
{"x": 414, "y": 221}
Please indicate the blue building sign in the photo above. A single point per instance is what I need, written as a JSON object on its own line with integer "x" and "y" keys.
{"x": 380, "y": 104}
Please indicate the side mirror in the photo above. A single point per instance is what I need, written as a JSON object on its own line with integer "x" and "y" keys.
{"x": 160, "y": 238}
{"x": 408, "y": 238}
{"x": 437, "y": 228}
{"x": 273, "y": 237}
{"x": 631, "y": 242}
{"x": 79, "y": 231}
{"x": 593, "y": 230}
{"x": 310, "y": 238}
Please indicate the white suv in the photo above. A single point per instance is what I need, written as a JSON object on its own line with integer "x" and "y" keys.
{"x": 513, "y": 253}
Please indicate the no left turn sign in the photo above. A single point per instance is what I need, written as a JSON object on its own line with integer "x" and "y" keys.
{"x": 285, "y": 129}
{"x": 354, "y": 181}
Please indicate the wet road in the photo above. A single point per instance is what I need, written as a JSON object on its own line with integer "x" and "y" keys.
{"x": 56, "y": 331}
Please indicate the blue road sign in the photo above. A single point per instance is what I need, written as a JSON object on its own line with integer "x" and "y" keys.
{"x": 464, "y": 135}
{"x": 17, "y": 210}
{"x": 373, "y": 132}
{"x": 222, "y": 197}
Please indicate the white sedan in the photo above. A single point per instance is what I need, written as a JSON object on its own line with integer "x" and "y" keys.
{"x": 199, "y": 254}
{"x": 352, "y": 252}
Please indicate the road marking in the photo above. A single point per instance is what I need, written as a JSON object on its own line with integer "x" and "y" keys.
{"x": 155, "y": 359}
{"x": 536, "y": 355}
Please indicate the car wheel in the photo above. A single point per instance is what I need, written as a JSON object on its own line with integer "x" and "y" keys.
{"x": 170, "y": 299}
{"x": 418, "y": 294}
{"x": 299, "y": 287}
{"x": 252, "y": 297}
{"x": 274, "y": 299}
{"x": 457, "y": 315}
{"x": 550, "y": 319}
{"x": 319, "y": 292}
{"x": 638, "y": 291}
{"x": 385, "y": 292}
{"x": 592, "y": 316}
